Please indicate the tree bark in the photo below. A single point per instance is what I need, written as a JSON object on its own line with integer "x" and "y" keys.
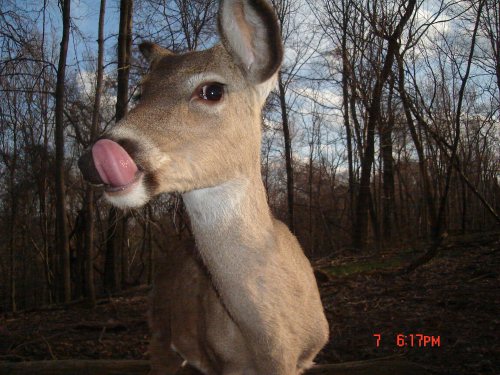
{"x": 111, "y": 280}
{"x": 43, "y": 177}
{"x": 89, "y": 196}
{"x": 62, "y": 241}
{"x": 387, "y": 172}
{"x": 13, "y": 220}
{"x": 310, "y": 178}
{"x": 346, "y": 113}
{"x": 288, "y": 153}
{"x": 124, "y": 47}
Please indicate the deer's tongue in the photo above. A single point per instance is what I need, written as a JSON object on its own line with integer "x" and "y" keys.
{"x": 114, "y": 165}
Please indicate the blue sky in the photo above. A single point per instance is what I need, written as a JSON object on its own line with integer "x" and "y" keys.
{"x": 85, "y": 15}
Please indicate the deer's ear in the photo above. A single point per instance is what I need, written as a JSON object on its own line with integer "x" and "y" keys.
{"x": 250, "y": 33}
{"x": 153, "y": 52}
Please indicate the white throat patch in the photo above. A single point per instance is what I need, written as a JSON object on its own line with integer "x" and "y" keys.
{"x": 216, "y": 205}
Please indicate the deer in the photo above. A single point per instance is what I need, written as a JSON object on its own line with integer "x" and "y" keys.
{"x": 245, "y": 301}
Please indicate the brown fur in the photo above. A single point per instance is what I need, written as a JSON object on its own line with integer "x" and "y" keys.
{"x": 250, "y": 303}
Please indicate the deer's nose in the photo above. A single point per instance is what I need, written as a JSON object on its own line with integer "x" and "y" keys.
{"x": 88, "y": 168}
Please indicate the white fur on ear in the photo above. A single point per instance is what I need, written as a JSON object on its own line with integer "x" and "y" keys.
{"x": 250, "y": 33}
{"x": 264, "y": 88}
{"x": 238, "y": 32}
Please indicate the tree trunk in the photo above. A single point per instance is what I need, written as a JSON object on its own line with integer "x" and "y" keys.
{"x": 388, "y": 197}
{"x": 360, "y": 230}
{"x": 124, "y": 259}
{"x": 422, "y": 161}
{"x": 62, "y": 242}
{"x": 111, "y": 280}
{"x": 94, "y": 130}
{"x": 43, "y": 163}
{"x": 124, "y": 46}
{"x": 13, "y": 221}
{"x": 310, "y": 178}
{"x": 346, "y": 114}
{"x": 288, "y": 153}
{"x": 151, "y": 255}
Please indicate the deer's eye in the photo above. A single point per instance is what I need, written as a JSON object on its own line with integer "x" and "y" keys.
{"x": 212, "y": 92}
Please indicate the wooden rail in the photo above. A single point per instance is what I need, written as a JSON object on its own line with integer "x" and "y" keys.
{"x": 389, "y": 366}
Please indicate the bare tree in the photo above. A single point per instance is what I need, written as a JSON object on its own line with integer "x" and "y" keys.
{"x": 289, "y": 26}
{"x": 62, "y": 242}
{"x": 386, "y": 126}
{"x": 437, "y": 206}
{"x": 111, "y": 275}
{"x": 179, "y": 25}
{"x": 337, "y": 21}
{"x": 288, "y": 152}
{"x": 89, "y": 193}
{"x": 360, "y": 230}
{"x": 490, "y": 25}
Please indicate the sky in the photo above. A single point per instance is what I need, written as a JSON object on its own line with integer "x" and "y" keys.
{"x": 85, "y": 15}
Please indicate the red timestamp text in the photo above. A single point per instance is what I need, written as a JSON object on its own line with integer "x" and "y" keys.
{"x": 412, "y": 340}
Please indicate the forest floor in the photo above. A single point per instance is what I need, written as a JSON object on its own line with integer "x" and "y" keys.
{"x": 454, "y": 300}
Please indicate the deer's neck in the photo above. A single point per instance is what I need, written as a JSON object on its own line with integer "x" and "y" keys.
{"x": 236, "y": 239}
{"x": 232, "y": 225}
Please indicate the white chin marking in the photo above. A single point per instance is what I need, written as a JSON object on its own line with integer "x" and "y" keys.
{"x": 135, "y": 196}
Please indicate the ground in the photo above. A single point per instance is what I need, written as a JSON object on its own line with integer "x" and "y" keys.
{"x": 453, "y": 301}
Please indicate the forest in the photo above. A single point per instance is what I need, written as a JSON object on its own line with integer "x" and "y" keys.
{"x": 382, "y": 136}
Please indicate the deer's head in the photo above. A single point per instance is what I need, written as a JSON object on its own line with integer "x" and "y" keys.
{"x": 198, "y": 122}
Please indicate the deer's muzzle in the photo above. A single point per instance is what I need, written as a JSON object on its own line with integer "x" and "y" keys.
{"x": 108, "y": 163}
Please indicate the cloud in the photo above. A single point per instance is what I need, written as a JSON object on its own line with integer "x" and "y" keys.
{"x": 324, "y": 96}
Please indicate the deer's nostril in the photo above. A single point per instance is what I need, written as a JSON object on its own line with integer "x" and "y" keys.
{"x": 88, "y": 169}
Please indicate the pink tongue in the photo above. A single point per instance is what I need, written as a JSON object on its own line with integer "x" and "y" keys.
{"x": 114, "y": 164}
